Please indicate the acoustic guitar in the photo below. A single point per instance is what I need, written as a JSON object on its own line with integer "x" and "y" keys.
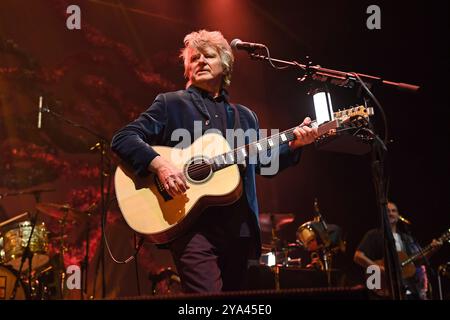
{"x": 407, "y": 265}
{"x": 212, "y": 173}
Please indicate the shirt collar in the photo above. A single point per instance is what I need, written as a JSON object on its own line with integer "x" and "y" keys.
{"x": 223, "y": 94}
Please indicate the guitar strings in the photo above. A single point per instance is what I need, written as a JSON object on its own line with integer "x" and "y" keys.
{"x": 194, "y": 170}
{"x": 204, "y": 165}
{"x": 199, "y": 167}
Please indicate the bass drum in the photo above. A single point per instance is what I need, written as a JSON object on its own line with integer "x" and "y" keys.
{"x": 7, "y": 281}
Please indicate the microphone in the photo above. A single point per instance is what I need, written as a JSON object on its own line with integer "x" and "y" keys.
{"x": 238, "y": 44}
{"x": 404, "y": 220}
{"x": 39, "y": 124}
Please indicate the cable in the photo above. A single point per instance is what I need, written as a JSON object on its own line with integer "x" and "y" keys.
{"x": 105, "y": 239}
{"x": 136, "y": 266}
{"x": 270, "y": 60}
{"x": 130, "y": 258}
{"x": 383, "y": 114}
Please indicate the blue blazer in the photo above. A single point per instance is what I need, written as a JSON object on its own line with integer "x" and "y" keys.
{"x": 180, "y": 109}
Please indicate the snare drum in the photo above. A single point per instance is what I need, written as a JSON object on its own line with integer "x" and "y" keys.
{"x": 15, "y": 240}
{"x": 312, "y": 236}
{"x": 7, "y": 282}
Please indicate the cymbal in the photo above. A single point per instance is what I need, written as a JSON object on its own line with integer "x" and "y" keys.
{"x": 267, "y": 247}
{"x": 62, "y": 212}
{"x": 277, "y": 220}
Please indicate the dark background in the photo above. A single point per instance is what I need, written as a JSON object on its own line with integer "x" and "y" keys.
{"x": 126, "y": 52}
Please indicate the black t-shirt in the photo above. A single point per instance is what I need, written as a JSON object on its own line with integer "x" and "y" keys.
{"x": 372, "y": 246}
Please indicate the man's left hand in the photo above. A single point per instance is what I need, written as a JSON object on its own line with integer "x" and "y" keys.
{"x": 303, "y": 135}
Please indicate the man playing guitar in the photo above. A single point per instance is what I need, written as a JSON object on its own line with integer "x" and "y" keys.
{"x": 414, "y": 276}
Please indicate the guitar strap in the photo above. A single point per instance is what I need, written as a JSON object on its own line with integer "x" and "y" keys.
{"x": 237, "y": 121}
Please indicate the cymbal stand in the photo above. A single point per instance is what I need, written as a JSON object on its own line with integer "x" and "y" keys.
{"x": 442, "y": 271}
{"x": 85, "y": 263}
{"x": 327, "y": 261}
{"x": 62, "y": 249}
{"x": 275, "y": 244}
{"x": 27, "y": 254}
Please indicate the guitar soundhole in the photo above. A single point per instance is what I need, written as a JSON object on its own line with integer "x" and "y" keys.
{"x": 198, "y": 170}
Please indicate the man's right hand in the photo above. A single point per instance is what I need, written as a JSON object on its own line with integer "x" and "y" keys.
{"x": 172, "y": 178}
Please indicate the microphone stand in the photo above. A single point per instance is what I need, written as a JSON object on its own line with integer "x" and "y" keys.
{"x": 379, "y": 149}
{"x": 392, "y": 264}
{"x": 101, "y": 146}
{"x": 336, "y": 77}
{"x": 326, "y": 252}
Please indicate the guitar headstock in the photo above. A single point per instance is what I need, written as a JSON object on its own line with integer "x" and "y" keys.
{"x": 352, "y": 114}
{"x": 445, "y": 236}
{"x": 357, "y": 117}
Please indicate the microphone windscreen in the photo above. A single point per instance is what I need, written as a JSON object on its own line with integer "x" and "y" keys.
{"x": 234, "y": 43}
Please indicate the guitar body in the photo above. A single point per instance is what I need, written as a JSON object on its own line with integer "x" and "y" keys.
{"x": 149, "y": 210}
{"x": 408, "y": 270}
{"x": 407, "y": 263}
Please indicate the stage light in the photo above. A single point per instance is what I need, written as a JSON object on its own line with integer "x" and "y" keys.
{"x": 323, "y": 106}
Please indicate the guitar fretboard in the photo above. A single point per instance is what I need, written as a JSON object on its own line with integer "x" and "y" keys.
{"x": 240, "y": 155}
{"x": 425, "y": 250}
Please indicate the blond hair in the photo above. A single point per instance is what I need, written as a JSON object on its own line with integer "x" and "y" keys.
{"x": 202, "y": 39}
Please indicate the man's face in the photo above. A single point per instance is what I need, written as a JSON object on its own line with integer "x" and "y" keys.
{"x": 204, "y": 66}
{"x": 392, "y": 213}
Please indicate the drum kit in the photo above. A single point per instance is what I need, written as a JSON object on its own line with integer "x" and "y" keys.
{"x": 320, "y": 240}
{"x": 29, "y": 269}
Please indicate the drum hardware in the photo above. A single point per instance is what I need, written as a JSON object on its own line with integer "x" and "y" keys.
{"x": 85, "y": 263}
{"x": 443, "y": 271}
{"x": 322, "y": 240}
{"x": 166, "y": 281}
{"x": 3, "y": 224}
{"x": 18, "y": 217}
{"x": 63, "y": 211}
{"x": 14, "y": 239}
{"x": 46, "y": 284}
{"x": 316, "y": 262}
{"x": 277, "y": 252}
{"x": 9, "y": 281}
{"x": 27, "y": 254}
{"x": 66, "y": 214}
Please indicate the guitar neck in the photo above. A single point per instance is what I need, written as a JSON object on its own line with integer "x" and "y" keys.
{"x": 240, "y": 155}
{"x": 418, "y": 255}
{"x": 427, "y": 249}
